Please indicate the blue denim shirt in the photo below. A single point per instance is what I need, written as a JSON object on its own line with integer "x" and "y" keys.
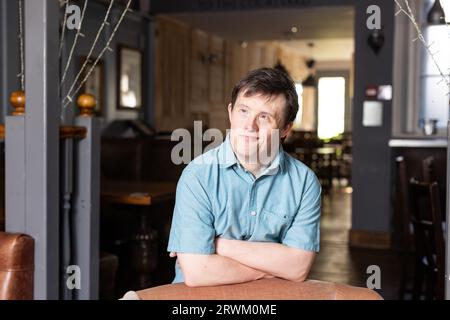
{"x": 216, "y": 197}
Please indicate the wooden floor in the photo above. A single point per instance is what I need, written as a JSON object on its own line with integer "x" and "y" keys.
{"x": 337, "y": 262}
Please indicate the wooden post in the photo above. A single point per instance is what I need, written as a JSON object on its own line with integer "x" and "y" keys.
{"x": 86, "y": 102}
{"x": 17, "y": 100}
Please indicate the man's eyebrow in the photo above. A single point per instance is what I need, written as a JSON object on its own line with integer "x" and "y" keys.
{"x": 262, "y": 112}
{"x": 268, "y": 113}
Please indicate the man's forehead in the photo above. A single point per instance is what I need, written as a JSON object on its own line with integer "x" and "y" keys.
{"x": 273, "y": 101}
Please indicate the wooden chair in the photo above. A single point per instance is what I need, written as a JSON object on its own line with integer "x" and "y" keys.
{"x": 402, "y": 224}
{"x": 263, "y": 289}
{"x": 16, "y": 266}
{"x": 429, "y": 240}
{"x": 428, "y": 170}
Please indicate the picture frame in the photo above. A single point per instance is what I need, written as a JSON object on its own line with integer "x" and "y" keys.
{"x": 95, "y": 83}
{"x": 129, "y": 78}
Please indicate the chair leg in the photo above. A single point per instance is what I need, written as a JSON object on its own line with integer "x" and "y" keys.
{"x": 403, "y": 276}
{"x": 418, "y": 281}
{"x": 430, "y": 287}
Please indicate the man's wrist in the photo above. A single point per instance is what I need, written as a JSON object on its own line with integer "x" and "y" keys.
{"x": 226, "y": 247}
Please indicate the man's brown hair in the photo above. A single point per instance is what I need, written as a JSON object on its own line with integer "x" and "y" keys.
{"x": 268, "y": 81}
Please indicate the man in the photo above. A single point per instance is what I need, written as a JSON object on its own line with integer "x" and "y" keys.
{"x": 238, "y": 218}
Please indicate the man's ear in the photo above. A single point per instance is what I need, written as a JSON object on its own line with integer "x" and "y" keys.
{"x": 286, "y": 130}
{"x": 230, "y": 108}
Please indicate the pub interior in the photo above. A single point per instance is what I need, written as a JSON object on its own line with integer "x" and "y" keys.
{"x": 87, "y": 175}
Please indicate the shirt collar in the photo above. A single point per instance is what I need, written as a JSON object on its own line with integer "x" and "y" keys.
{"x": 227, "y": 158}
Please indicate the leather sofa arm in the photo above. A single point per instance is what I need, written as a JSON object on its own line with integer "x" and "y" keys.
{"x": 16, "y": 266}
{"x": 264, "y": 289}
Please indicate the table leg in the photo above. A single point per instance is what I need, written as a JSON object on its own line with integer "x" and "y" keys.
{"x": 144, "y": 252}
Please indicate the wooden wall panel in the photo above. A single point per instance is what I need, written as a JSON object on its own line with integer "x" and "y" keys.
{"x": 172, "y": 74}
{"x": 216, "y": 70}
{"x": 269, "y": 58}
{"x": 254, "y": 56}
{"x": 197, "y": 71}
{"x": 199, "y": 56}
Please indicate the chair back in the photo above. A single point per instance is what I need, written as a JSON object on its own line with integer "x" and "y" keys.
{"x": 428, "y": 231}
{"x": 402, "y": 219}
{"x": 428, "y": 169}
{"x": 16, "y": 266}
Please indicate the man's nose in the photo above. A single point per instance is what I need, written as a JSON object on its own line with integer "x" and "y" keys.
{"x": 251, "y": 124}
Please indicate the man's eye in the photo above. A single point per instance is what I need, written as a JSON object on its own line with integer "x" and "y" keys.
{"x": 264, "y": 117}
{"x": 243, "y": 111}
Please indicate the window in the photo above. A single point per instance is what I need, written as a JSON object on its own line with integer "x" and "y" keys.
{"x": 298, "y": 119}
{"x": 434, "y": 90}
{"x": 434, "y": 98}
{"x": 419, "y": 91}
{"x": 331, "y": 107}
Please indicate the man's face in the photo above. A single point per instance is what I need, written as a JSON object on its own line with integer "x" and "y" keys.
{"x": 255, "y": 121}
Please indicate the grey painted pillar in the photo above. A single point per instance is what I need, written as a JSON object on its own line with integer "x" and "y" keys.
{"x": 149, "y": 73}
{"x": 9, "y": 54}
{"x": 86, "y": 217}
{"x": 15, "y": 174}
{"x": 371, "y": 200}
{"x": 42, "y": 141}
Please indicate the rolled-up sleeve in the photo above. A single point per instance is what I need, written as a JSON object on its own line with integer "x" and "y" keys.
{"x": 192, "y": 229}
{"x": 304, "y": 232}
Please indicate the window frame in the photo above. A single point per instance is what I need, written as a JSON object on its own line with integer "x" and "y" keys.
{"x": 407, "y": 76}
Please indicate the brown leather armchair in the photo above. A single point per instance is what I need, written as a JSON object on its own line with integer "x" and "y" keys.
{"x": 264, "y": 289}
{"x": 16, "y": 266}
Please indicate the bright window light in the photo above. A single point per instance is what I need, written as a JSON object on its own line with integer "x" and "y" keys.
{"x": 331, "y": 107}
{"x": 298, "y": 119}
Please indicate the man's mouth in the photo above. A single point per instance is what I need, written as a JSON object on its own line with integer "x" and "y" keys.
{"x": 250, "y": 138}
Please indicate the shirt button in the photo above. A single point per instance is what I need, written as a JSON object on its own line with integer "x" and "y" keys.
{"x": 253, "y": 213}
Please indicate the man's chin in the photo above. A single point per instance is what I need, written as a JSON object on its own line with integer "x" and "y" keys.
{"x": 248, "y": 156}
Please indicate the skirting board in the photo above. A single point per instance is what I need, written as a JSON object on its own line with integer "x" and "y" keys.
{"x": 370, "y": 239}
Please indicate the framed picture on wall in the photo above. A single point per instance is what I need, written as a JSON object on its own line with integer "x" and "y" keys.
{"x": 94, "y": 84}
{"x": 129, "y": 78}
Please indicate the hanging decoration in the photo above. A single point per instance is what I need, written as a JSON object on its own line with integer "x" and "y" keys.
{"x": 310, "y": 80}
{"x": 376, "y": 40}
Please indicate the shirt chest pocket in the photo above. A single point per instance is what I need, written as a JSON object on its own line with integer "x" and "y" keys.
{"x": 272, "y": 226}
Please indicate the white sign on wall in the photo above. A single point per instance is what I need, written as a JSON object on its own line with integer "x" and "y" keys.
{"x": 372, "y": 114}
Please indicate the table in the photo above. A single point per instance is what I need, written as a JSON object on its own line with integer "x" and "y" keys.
{"x": 137, "y": 193}
{"x": 145, "y": 248}
{"x": 323, "y": 161}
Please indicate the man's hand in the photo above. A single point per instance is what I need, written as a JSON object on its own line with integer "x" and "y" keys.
{"x": 224, "y": 248}
{"x": 212, "y": 269}
{"x": 284, "y": 262}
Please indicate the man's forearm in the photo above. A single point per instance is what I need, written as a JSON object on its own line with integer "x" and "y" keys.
{"x": 211, "y": 270}
{"x": 272, "y": 258}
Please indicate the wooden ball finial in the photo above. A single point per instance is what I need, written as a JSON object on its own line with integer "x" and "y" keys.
{"x": 17, "y": 100}
{"x": 86, "y": 102}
